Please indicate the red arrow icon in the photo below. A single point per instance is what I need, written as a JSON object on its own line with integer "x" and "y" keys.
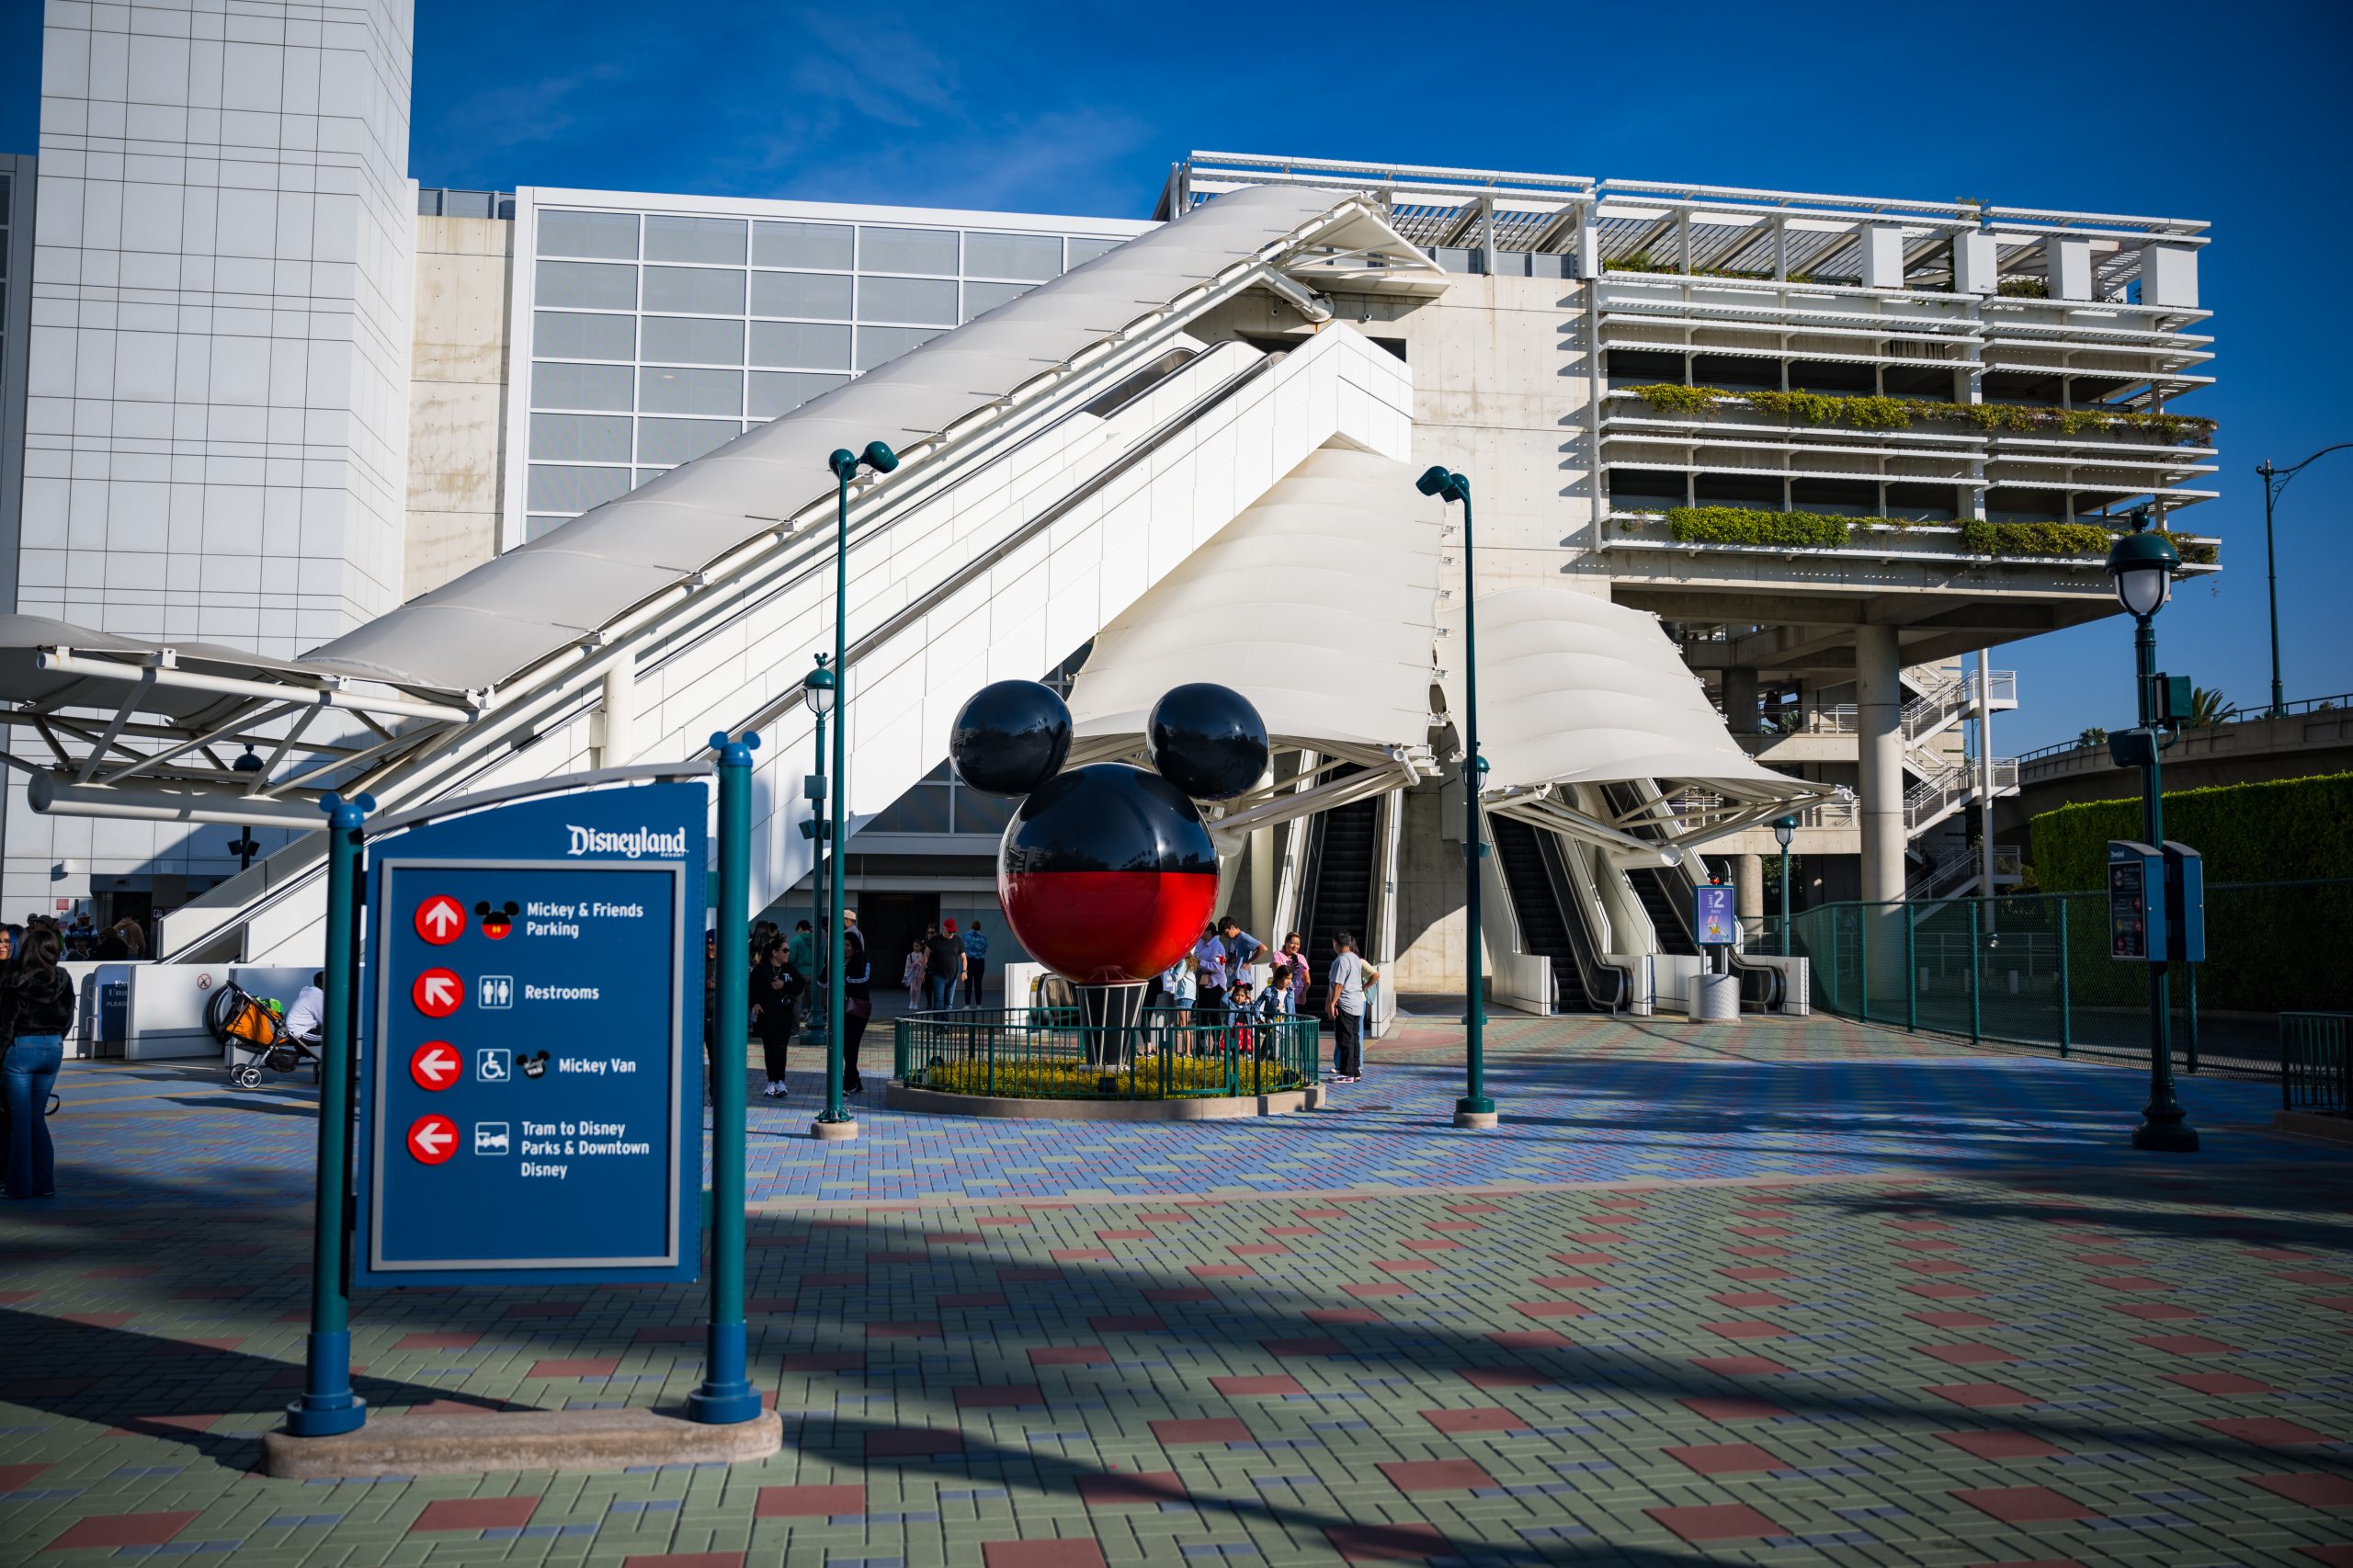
{"x": 432, "y": 1138}
{"x": 435, "y": 1065}
{"x": 440, "y": 920}
{"x": 437, "y": 993}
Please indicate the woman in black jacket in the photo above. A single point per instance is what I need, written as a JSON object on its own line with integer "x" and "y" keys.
{"x": 776, "y": 990}
{"x": 35, "y": 1009}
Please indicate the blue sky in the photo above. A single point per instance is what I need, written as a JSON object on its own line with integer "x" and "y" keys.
{"x": 2237, "y": 114}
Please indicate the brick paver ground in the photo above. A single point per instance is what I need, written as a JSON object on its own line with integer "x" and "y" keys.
{"x": 1795, "y": 1292}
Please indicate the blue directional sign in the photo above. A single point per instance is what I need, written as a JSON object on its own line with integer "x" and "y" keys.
{"x": 531, "y": 1063}
{"x": 1713, "y": 920}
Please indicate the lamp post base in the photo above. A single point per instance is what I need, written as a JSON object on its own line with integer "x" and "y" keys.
{"x": 840, "y": 1131}
{"x": 309, "y": 1421}
{"x": 2174, "y": 1137}
{"x": 1474, "y": 1113}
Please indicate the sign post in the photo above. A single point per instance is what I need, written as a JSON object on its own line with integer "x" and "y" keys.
{"x": 727, "y": 1395}
{"x": 328, "y": 1405}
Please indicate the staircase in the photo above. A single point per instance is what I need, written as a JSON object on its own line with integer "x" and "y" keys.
{"x": 1945, "y": 788}
{"x": 1946, "y": 697}
{"x": 1340, "y": 888}
{"x": 1668, "y": 919}
{"x": 1543, "y": 928}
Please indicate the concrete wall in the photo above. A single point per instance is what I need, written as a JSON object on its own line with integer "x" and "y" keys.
{"x": 457, "y": 397}
{"x": 1429, "y": 895}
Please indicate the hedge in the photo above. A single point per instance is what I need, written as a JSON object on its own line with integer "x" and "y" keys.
{"x": 2285, "y": 830}
{"x": 1872, "y": 412}
{"x": 1744, "y": 525}
{"x": 2077, "y": 539}
{"x": 2267, "y": 948}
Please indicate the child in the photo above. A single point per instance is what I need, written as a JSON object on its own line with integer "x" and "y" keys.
{"x": 912, "y": 977}
{"x": 1279, "y": 1000}
{"x": 1237, "y": 1001}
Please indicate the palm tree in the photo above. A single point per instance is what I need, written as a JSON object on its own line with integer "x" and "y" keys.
{"x": 2209, "y": 706}
{"x": 2095, "y": 737}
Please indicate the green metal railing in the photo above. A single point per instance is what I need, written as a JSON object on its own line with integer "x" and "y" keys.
{"x": 2315, "y": 1069}
{"x": 1049, "y": 1053}
{"x": 2033, "y": 970}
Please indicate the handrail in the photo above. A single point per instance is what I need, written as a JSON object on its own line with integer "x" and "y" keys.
{"x": 2343, "y": 699}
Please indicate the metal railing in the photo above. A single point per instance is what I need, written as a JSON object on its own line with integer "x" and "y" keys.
{"x": 1049, "y": 1053}
{"x": 2315, "y": 1069}
{"x": 2342, "y": 700}
{"x": 1943, "y": 791}
{"x": 2033, "y": 970}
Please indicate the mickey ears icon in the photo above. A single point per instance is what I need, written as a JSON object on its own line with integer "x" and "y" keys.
{"x": 510, "y": 908}
{"x": 1204, "y": 738}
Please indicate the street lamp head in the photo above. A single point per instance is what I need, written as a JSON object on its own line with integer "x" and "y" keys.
{"x": 880, "y": 458}
{"x": 248, "y": 763}
{"x": 1445, "y": 485}
{"x": 819, "y": 684}
{"x": 2142, "y": 564}
{"x": 1785, "y": 829}
{"x": 843, "y": 463}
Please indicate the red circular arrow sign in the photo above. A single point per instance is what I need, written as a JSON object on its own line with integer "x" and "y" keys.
{"x": 441, "y": 920}
{"x": 435, "y": 1064}
{"x": 437, "y": 993}
{"x": 432, "y": 1138}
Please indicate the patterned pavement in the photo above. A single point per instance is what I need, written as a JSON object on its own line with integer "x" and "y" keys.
{"x": 1793, "y": 1293}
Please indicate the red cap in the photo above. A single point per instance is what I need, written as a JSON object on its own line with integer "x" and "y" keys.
{"x": 949, "y": 927}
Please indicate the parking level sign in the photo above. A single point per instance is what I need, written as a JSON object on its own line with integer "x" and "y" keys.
{"x": 531, "y": 1095}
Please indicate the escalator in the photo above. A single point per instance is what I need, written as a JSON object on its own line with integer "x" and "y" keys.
{"x": 1543, "y": 924}
{"x": 1339, "y": 887}
{"x": 1670, "y": 916}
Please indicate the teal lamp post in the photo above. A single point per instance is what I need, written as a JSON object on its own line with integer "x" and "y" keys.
{"x": 1474, "y": 1108}
{"x": 2143, "y": 565}
{"x": 836, "y": 1122}
{"x": 1785, "y": 829}
{"x": 817, "y": 687}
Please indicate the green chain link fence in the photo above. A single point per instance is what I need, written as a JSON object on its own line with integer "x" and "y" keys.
{"x": 2033, "y": 969}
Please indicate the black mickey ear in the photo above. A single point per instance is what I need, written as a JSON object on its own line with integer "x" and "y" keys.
{"x": 481, "y": 908}
{"x": 1011, "y": 737}
{"x": 513, "y": 909}
{"x": 1207, "y": 740}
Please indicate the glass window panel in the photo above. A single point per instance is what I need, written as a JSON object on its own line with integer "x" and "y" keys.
{"x": 646, "y": 476}
{"x": 908, "y": 300}
{"x": 907, "y": 250}
{"x": 923, "y": 809}
{"x": 682, "y": 440}
{"x": 695, "y": 239}
{"x": 1088, "y": 250}
{"x": 663, "y": 389}
{"x": 612, "y": 235}
{"x": 555, "y": 488}
{"x": 976, "y": 813}
{"x": 597, "y": 285}
{"x": 535, "y": 527}
{"x": 697, "y": 340}
{"x": 703, "y": 289}
{"x": 1034, "y": 258}
{"x": 981, "y": 298}
{"x": 878, "y": 345}
{"x": 825, "y": 294}
{"x": 824, "y": 246}
{"x": 580, "y": 386}
{"x": 561, "y": 335}
{"x": 801, "y": 343}
{"x": 581, "y": 437}
{"x": 781, "y": 392}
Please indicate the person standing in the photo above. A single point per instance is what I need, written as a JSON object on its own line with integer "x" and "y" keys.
{"x": 976, "y": 962}
{"x": 1344, "y": 1005}
{"x": 802, "y": 955}
{"x": 911, "y": 975}
{"x": 35, "y": 1009}
{"x": 857, "y": 1000}
{"x": 943, "y": 966}
{"x": 775, "y": 997}
{"x": 1209, "y": 955}
{"x": 1295, "y": 955}
{"x": 1241, "y": 949}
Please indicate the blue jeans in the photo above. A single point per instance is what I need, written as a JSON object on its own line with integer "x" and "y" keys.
{"x": 31, "y": 1070}
{"x": 938, "y": 991}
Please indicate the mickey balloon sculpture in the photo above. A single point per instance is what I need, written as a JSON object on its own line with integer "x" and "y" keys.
{"x": 1107, "y": 872}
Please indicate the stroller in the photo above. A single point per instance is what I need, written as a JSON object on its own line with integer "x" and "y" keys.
{"x": 255, "y": 1033}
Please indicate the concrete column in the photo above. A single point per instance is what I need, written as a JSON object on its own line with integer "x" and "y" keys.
{"x": 1883, "y": 256}
{"x": 1975, "y": 268}
{"x": 2169, "y": 276}
{"x": 614, "y": 733}
{"x": 1879, "y": 721}
{"x": 1740, "y": 701}
{"x": 1748, "y": 879}
{"x": 2067, "y": 267}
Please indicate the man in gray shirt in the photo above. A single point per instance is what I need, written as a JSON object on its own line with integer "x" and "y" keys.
{"x": 1344, "y": 1005}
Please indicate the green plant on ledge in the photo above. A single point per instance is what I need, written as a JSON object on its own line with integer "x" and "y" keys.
{"x": 2074, "y": 540}
{"x": 2025, "y": 288}
{"x": 1876, "y": 412}
{"x": 1745, "y": 525}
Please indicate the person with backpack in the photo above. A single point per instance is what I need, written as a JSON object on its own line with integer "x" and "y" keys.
{"x": 1344, "y": 1005}
{"x": 35, "y": 1009}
